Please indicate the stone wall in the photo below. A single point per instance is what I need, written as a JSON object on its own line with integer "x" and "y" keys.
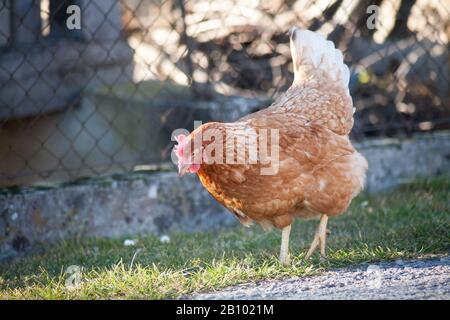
{"x": 394, "y": 161}
{"x": 154, "y": 203}
{"x": 160, "y": 202}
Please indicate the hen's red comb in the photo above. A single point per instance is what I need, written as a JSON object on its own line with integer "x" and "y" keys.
{"x": 179, "y": 148}
{"x": 180, "y": 138}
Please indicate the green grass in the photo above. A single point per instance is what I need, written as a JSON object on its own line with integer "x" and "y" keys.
{"x": 408, "y": 222}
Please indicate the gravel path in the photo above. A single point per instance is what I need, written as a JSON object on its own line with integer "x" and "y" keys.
{"x": 417, "y": 279}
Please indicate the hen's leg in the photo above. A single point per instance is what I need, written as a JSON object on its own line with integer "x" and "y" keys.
{"x": 320, "y": 238}
{"x": 284, "y": 251}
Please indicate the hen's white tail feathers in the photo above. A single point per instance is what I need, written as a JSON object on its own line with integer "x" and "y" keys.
{"x": 311, "y": 50}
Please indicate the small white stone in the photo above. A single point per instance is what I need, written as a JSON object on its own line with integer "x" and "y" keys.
{"x": 164, "y": 239}
{"x": 373, "y": 268}
{"x": 399, "y": 262}
{"x": 14, "y": 216}
{"x": 129, "y": 242}
{"x": 153, "y": 192}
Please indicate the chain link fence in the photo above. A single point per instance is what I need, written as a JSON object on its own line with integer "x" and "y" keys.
{"x": 96, "y": 87}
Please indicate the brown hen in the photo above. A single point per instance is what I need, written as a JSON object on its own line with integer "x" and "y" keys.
{"x": 292, "y": 159}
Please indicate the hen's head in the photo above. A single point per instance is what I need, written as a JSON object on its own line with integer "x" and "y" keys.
{"x": 189, "y": 154}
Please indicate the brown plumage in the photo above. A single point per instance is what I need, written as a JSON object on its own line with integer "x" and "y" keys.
{"x": 319, "y": 170}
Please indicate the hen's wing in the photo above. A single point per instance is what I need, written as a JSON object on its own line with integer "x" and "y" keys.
{"x": 329, "y": 170}
{"x": 304, "y": 148}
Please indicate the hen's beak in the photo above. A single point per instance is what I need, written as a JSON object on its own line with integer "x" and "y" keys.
{"x": 183, "y": 169}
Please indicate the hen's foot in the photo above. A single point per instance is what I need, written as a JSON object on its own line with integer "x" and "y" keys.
{"x": 284, "y": 251}
{"x": 320, "y": 238}
{"x": 285, "y": 260}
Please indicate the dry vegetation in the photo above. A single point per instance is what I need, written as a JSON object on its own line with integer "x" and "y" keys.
{"x": 400, "y": 70}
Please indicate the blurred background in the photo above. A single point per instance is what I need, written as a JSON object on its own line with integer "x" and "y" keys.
{"x": 106, "y": 97}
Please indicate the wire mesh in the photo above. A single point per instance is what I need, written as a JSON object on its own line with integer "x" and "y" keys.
{"x": 105, "y": 96}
